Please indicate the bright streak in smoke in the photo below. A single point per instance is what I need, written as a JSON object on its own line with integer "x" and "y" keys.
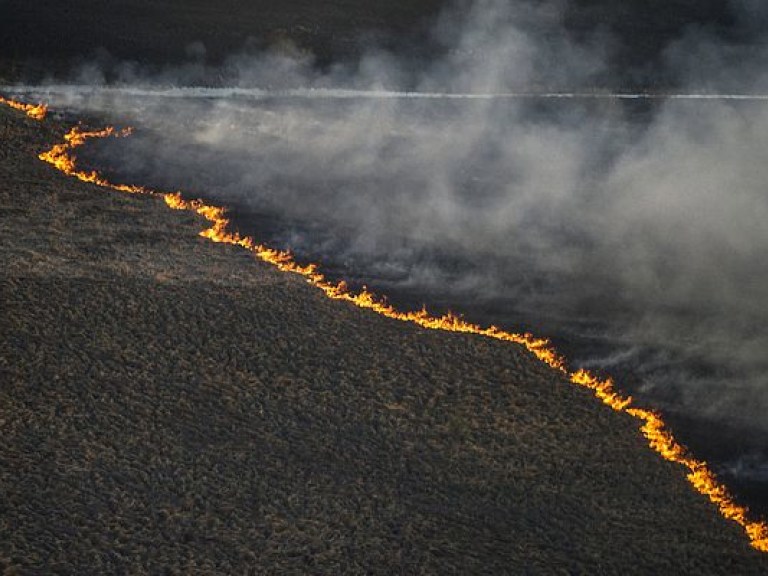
{"x": 236, "y": 93}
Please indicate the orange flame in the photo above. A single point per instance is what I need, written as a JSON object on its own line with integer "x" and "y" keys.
{"x": 660, "y": 439}
{"x": 34, "y": 111}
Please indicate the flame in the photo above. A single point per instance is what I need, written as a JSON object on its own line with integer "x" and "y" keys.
{"x": 34, "y": 111}
{"x": 63, "y": 159}
{"x": 652, "y": 426}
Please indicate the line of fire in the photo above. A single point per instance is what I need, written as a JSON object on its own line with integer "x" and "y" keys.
{"x": 651, "y": 424}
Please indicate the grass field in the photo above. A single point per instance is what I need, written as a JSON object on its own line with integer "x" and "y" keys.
{"x": 170, "y": 405}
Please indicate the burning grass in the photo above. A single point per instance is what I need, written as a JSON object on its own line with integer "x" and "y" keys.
{"x": 660, "y": 439}
{"x": 34, "y": 111}
{"x": 367, "y": 440}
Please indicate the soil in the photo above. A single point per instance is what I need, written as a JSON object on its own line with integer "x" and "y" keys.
{"x": 173, "y": 406}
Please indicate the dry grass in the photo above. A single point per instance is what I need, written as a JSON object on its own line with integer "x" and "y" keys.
{"x": 171, "y": 406}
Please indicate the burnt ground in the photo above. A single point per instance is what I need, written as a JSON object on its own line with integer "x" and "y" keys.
{"x": 40, "y": 38}
{"x": 173, "y": 406}
{"x": 49, "y": 37}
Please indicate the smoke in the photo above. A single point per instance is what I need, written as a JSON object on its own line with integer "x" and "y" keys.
{"x": 637, "y": 227}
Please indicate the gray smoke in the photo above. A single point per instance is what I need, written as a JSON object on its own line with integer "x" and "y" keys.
{"x": 643, "y": 224}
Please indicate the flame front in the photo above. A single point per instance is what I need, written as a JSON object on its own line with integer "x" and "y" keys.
{"x": 34, "y": 111}
{"x": 652, "y": 426}
{"x": 64, "y": 160}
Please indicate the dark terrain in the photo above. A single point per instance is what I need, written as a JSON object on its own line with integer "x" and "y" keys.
{"x": 40, "y": 39}
{"x": 172, "y": 406}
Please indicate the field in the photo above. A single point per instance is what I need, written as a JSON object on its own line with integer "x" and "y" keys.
{"x": 169, "y": 405}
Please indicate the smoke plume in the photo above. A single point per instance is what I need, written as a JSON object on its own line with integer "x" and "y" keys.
{"x": 636, "y": 226}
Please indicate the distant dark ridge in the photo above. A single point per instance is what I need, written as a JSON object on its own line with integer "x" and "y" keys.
{"x": 38, "y": 39}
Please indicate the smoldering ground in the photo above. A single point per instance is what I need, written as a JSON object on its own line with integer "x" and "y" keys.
{"x": 632, "y": 231}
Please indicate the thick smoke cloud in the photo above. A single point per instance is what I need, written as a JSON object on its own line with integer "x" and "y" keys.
{"x": 641, "y": 224}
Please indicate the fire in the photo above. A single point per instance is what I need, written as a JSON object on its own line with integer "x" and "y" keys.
{"x": 34, "y": 111}
{"x": 652, "y": 426}
{"x": 62, "y": 158}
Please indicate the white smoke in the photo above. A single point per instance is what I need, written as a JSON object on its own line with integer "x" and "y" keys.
{"x": 501, "y": 173}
